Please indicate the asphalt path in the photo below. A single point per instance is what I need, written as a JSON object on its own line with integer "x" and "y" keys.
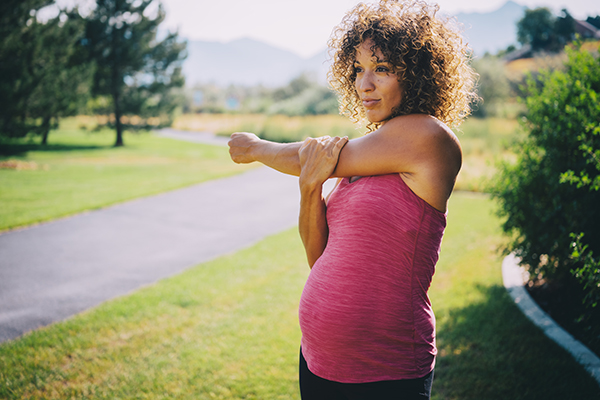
{"x": 197, "y": 137}
{"x": 52, "y": 271}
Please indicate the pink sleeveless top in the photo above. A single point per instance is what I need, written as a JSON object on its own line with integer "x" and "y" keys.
{"x": 364, "y": 313}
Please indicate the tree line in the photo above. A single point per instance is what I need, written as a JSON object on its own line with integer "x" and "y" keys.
{"x": 112, "y": 60}
{"x": 303, "y": 95}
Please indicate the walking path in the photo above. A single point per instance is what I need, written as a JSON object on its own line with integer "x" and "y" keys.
{"x": 196, "y": 137}
{"x": 52, "y": 271}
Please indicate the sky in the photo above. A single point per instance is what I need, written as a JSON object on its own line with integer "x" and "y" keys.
{"x": 302, "y": 26}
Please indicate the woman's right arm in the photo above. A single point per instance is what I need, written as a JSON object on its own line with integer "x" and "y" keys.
{"x": 247, "y": 147}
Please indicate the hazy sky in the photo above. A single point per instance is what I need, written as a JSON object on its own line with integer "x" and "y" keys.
{"x": 303, "y": 26}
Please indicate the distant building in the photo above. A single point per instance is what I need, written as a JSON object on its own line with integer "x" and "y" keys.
{"x": 523, "y": 52}
{"x": 586, "y": 30}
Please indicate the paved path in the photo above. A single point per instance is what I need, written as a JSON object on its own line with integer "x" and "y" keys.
{"x": 52, "y": 271}
{"x": 197, "y": 137}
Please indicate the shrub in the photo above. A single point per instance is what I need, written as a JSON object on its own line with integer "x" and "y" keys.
{"x": 314, "y": 100}
{"x": 550, "y": 197}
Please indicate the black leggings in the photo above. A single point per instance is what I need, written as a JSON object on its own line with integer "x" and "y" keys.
{"x": 313, "y": 387}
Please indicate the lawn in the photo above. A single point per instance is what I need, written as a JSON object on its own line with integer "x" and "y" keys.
{"x": 228, "y": 329}
{"x": 81, "y": 170}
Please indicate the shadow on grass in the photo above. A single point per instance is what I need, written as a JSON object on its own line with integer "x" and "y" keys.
{"x": 489, "y": 350}
{"x": 21, "y": 149}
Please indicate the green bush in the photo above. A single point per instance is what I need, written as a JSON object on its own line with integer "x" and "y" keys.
{"x": 587, "y": 271}
{"x": 550, "y": 196}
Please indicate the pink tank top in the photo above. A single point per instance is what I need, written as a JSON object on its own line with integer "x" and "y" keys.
{"x": 364, "y": 313}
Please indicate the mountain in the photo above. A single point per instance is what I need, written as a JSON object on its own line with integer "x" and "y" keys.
{"x": 493, "y": 31}
{"x": 247, "y": 62}
{"x": 250, "y": 62}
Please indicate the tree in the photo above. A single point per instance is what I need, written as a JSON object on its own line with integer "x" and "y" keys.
{"x": 15, "y": 79}
{"x": 550, "y": 197}
{"x": 65, "y": 78}
{"x": 303, "y": 96}
{"x": 135, "y": 69}
{"x": 535, "y": 28}
{"x": 594, "y": 21}
{"x": 564, "y": 30}
{"x": 43, "y": 74}
{"x": 543, "y": 31}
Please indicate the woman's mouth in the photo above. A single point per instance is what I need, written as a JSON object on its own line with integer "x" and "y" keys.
{"x": 368, "y": 102}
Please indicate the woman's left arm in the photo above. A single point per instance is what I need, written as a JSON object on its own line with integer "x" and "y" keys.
{"x": 318, "y": 158}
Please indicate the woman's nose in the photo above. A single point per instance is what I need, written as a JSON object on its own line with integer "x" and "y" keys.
{"x": 365, "y": 83}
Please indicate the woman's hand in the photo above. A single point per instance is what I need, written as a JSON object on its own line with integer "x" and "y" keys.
{"x": 242, "y": 145}
{"x": 318, "y": 159}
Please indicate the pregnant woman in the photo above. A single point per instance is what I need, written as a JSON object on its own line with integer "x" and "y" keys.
{"x": 368, "y": 328}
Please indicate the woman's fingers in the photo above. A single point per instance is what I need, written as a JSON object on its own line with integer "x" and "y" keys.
{"x": 337, "y": 145}
{"x": 323, "y": 146}
{"x": 240, "y": 145}
{"x": 318, "y": 158}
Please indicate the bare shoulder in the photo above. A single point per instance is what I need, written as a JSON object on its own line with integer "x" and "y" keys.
{"x": 434, "y": 153}
{"x": 422, "y": 127}
{"x": 418, "y": 146}
{"x": 426, "y": 136}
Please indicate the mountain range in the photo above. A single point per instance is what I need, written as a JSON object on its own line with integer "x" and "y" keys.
{"x": 247, "y": 62}
{"x": 250, "y": 62}
{"x": 492, "y": 31}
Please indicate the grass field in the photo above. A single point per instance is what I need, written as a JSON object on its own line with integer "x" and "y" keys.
{"x": 81, "y": 170}
{"x": 228, "y": 329}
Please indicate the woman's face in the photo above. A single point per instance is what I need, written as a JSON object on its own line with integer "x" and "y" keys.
{"x": 377, "y": 86}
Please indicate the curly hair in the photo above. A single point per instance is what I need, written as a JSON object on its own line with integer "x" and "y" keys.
{"x": 426, "y": 52}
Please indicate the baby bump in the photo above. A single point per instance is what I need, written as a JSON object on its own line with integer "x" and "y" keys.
{"x": 339, "y": 311}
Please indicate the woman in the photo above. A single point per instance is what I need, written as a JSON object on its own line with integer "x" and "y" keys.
{"x": 368, "y": 329}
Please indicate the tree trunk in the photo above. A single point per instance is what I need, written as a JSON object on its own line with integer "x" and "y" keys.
{"x": 116, "y": 85}
{"x": 46, "y": 130}
{"x": 118, "y": 125}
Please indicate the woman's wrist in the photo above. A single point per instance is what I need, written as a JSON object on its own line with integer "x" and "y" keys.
{"x": 257, "y": 150}
{"x": 310, "y": 187}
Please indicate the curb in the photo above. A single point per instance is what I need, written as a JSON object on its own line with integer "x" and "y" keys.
{"x": 514, "y": 276}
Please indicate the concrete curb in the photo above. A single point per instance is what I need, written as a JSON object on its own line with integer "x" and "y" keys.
{"x": 514, "y": 276}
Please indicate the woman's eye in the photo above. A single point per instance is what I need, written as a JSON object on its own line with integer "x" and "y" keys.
{"x": 382, "y": 69}
{"x": 358, "y": 69}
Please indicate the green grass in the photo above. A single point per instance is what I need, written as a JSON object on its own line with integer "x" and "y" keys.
{"x": 81, "y": 170}
{"x": 228, "y": 329}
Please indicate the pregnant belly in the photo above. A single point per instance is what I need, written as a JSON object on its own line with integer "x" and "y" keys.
{"x": 339, "y": 315}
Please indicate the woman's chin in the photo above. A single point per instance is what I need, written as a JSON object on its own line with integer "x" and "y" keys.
{"x": 376, "y": 118}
